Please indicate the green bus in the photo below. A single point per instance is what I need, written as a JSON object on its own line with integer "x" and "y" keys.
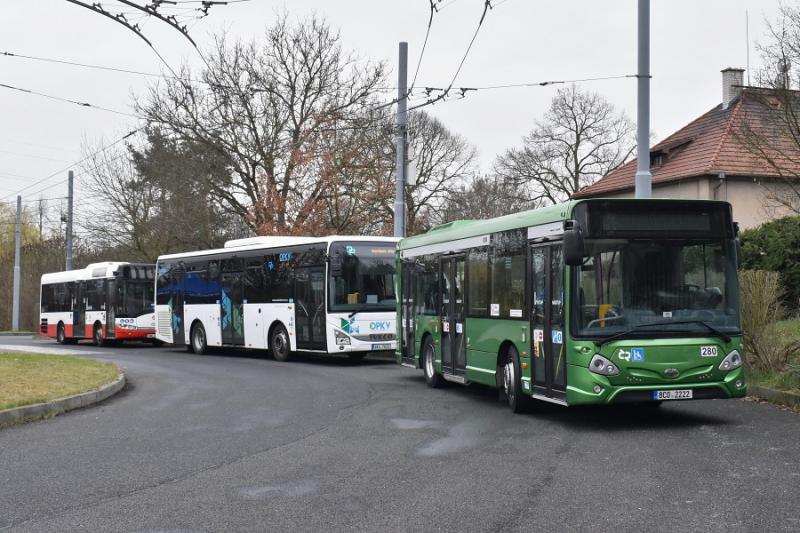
{"x": 594, "y": 301}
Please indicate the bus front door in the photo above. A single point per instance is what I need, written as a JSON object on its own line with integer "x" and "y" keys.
{"x": 110, "y": 289}
{"x": 232, "y": 307}
{"x": 452, "y": 315}
{"x": 79, "y": 310}
{"x": 309, "y": 314}
{"x": 407, "y": 322}
{"x": 547, "y": 322}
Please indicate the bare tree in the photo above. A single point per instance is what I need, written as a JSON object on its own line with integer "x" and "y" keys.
{"x": 485, "y": 197}
{"x": 769, "y": 125}
{"x": 263, "y": 109}
{"x": 580, "y": 139}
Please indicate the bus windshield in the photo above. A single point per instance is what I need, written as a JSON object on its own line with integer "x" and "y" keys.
{"x": 135, "y": 291}
{"x": 362, "y": 277}
{"x": 676, "y": 285}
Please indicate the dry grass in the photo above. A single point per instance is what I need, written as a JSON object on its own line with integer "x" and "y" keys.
{"x": 767, "y": 349}
{"x": 34, "y": 378}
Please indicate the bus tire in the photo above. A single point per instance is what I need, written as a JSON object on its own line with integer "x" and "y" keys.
{"x": 97, "y": 335}
{"x": 279, "y": 345}
{"x": 512, "y": 382}
{"x": 197, "y": 340}
{"x": 433, "y": 379}
{"x": 61, "y": 334}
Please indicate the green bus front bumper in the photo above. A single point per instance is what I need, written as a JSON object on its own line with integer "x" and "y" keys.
{"x": 582, "y": 383}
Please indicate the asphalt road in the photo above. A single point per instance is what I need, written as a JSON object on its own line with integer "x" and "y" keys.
{"x": 234, "y": 442}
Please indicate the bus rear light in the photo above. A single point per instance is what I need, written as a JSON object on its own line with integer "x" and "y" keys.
{"x": 601, "y": 365}
{"x": 731, "y": 362}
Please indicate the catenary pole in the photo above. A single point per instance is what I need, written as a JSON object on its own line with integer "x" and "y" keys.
{"x": 69, "y": 219}
{"x": 17, "y": 250}
{"x": 401, "y": 136}
{"x": 643, "y": 176}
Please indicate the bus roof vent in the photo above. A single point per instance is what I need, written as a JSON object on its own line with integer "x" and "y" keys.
{"x": 452, "y": 225}
{"x": 272, "y": 241}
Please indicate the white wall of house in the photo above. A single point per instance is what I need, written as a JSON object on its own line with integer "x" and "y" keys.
{"x": 751, "y": 199}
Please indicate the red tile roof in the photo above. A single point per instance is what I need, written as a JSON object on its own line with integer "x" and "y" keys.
{"x": 715, "y": 143}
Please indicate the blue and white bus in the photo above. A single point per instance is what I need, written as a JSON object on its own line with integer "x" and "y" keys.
{"x": 283, "y": 294}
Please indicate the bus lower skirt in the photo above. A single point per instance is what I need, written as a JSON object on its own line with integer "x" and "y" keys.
{"x": 638, "y": 396}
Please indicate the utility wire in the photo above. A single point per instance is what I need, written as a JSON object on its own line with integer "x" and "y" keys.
{"x": 61, "y": 99}
{"x": 487, "y": 5}
{"x": 424, "y": 43}
{"x": 56, "y": 173}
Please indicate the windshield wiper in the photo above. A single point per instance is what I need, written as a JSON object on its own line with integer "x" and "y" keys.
{"x": 721, "y": 334}
{"x": 364, "y": 307}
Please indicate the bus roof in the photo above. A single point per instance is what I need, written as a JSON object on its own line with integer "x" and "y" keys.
{"x": 461, "y": 229}
{"x": 93, "y": 270}
{"x": 278, "y": 241}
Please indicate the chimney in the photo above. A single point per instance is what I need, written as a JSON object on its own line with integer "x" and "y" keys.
{"x": 732, "y": 81}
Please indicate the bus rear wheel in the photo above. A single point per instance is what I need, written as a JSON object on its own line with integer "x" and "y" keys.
{"x": 61, "y": 335}
{"x": 279, "y": 343}
{"x": 428, "y": 361}
{"x": 97, "y": 335}
{"x": 512, "y": 383}
{"x": 198, "y": 341}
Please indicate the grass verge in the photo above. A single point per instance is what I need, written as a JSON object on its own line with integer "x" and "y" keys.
{"x": 788, "y": 380}
{"x": 35, "y": 378}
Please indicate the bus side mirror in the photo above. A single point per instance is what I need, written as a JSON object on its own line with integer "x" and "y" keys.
{"x": 336, "y": 264}
{"x": 573, "y": 243}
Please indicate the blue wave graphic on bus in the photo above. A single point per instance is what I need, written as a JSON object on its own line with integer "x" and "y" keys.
{"x": 226, "y": 307}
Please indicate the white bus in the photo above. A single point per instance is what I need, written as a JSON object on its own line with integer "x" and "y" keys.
{"x": 283, "y": 294}
{"x": 104, "y": 301}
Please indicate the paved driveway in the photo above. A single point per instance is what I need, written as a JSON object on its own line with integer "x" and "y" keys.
{"x": 234, "y": 442}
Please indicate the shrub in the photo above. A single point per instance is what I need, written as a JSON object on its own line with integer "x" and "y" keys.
{"x": 775, "y": 246}
{"x": 762, "y": 307}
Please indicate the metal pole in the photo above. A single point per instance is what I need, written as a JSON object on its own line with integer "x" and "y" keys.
{"x": 17, "y": 249}
{"x": 69, "y": 221}
{"x": 643, "y": 177}
{"x": 402, "y": 132}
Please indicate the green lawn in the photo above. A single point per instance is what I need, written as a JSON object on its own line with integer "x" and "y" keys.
{"x": 34, "y": 378}
{"x": 790, "y": 379}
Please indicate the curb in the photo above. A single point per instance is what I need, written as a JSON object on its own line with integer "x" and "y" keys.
{"x": 786, "y": 398}
{"x": 28, "y": 413}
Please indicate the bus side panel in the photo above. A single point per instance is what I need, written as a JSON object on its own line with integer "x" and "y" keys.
{"x": 91, "y": 318}
{"x": 484, "y": 337}
{"x": 209, "y": 316}
{"x": 428, "y": 325}
{"x": 277, "y": 312}
{"x": 49, "y": 323}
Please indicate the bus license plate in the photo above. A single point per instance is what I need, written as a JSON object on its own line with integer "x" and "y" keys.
{"x": 681, "y": 394}
{"x": 382, "y": 346}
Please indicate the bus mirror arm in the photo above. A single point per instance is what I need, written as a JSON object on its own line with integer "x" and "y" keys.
{"x": 573, "y": 243}
{"x": 738, "y": 253}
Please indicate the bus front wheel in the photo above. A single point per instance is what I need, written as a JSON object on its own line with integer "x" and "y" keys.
{"x": 512, "y": 384}
{"x": 198, "y": 341}
{"x": 279, "y": 343}
{"x": 61, "y": 335}
{"x": 428, "y": 360}
{"x": 97, "y": 335}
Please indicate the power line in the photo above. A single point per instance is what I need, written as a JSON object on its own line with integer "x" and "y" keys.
{"x": 487, "y": 5}
{"x": 61, "y": 99}
{"x": 60, "y": 171}
{"x": 424, "y": 42}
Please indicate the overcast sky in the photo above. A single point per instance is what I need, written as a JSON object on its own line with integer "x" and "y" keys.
{"x": 520, "y": 41}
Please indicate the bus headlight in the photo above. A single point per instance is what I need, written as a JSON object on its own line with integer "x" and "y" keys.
{"x": 732, "y": 361}
{"x": 601, "y": 365}
{"x": 342, "y": 339}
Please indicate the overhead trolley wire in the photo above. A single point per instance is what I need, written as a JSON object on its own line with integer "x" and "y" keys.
{"x": 67, "y": 100}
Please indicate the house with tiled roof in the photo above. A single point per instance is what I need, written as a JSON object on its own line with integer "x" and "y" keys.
{"x": 714, "y": 157}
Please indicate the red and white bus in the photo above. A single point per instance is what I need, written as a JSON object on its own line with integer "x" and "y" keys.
{"x": 104, "y": 301}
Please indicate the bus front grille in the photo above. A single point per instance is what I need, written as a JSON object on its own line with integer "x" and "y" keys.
{"x": 165, "y": 326}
